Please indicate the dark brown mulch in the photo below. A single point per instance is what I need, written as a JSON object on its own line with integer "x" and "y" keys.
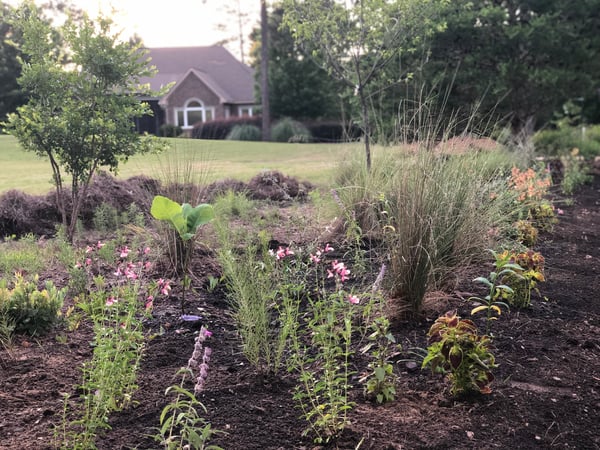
{"x": 546, "y": 393}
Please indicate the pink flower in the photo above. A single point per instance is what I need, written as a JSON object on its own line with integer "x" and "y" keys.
{"x": 124, "y": 252}
{"x": 559, "y": 211}
{"x": 88, "y": 262}
{"x": 146, "y": 250}
{"x": 206, "y": 333}
{"x": 89, "y": 249}
{"x": 163, "y": 286}
{"x": 148, "y": 265}
{"x": 110, "y": 301}
{"x": 328, "y": 248}
{"x": 118, "y": 272}
{"x": 315, "y": 258}
{"x": 353, "y": 299}
{"x": 99, "y": 245}
{"x": 282, "y": 252}
{"x": 340, "y": 269}
{"x": 78, "y": 265}
{"x": 149, "y": 302}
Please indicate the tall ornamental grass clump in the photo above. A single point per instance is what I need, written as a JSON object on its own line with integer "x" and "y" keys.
{"x": 431, "y": 212}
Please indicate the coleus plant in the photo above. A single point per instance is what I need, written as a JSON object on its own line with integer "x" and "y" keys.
{"x": 456, "y": 349}
{"x": 185, "y": 219}
{"x": 528, "y": 272}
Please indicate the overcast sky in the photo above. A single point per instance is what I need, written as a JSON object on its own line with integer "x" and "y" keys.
{"x": 176, "y": 23}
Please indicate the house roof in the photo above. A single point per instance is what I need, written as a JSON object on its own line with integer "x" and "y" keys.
{"x": 231, "y": 80}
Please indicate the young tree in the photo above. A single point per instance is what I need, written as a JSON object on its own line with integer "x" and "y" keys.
{"x": 79, "y": 115}
{"x": 354, "y": 40}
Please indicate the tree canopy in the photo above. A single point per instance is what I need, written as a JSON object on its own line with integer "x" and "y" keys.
{"x": 523, "y": 59}
{"x": 79, "y": 115}
{"x": 299, "y": 88}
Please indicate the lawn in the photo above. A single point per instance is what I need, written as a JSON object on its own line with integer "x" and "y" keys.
{"x": 217, "y": 159}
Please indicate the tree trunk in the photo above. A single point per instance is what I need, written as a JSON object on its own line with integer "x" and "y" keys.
{"x": 264, "y": 69}
{"x": 364, "y": 111}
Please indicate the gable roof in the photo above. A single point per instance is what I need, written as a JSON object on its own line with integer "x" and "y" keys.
{"x": 231, "y": 80}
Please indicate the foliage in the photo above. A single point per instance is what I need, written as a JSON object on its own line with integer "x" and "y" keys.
{"x": 245, "y": 132}
{"x": 79, "y": 115}
{"x": 23, "y": 255}
{"x": 220, "y": 128}
{"x": 249, "y": 276}
{"x": 181, "y": 414}
{"x": 575, "y": 173}
{"x": 28, "y": 309}
{"x": 528, "y": 272}
{"x": 289, "y": 130}
{"x": 298, "y": 87}
{"x": 456, "y": 349}
{"x": 431, "y": 214}
{"x": 380, "y": 382}
{"x": 527, "y": 233}
{"x": 497, "y": 291}
{"x": 355, "y": 41}
{"x": 232, "y": 204}
{"x": 323, "y": 362}
{"x": 522, "y": 60}
{"x": 185, "y": 220}
{"x": 170, "y": 130}
{"x": 109, "y": 379}
{"x": 562, "y": 140}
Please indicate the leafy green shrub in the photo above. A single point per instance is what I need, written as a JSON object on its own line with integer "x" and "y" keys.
{"x": 32, "y": 311}
{"x": 106, "y": 217}
{"x": 456, "y": 349}
{"x": 289, "y": 130}
{"x": 220, "y": 128}
{"x": 574, "y": 173}
{"x": 245, "y": 132}
{"x": 170, "y": 130}
{"x": 564, "y": 139}
{"x": 233, "y": 204}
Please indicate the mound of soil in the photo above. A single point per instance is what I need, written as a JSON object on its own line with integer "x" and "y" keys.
{"x": 546, "y": 393}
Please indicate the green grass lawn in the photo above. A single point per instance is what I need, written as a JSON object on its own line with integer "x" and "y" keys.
{"x": 215, "y": 159}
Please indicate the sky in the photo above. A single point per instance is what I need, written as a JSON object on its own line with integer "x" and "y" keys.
{"x": 177, "y": 23}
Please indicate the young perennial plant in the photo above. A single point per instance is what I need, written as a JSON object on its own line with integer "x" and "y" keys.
{"x": 181, "y": 427}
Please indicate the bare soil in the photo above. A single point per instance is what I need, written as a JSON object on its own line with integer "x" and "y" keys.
{"x": 546, "y": 393}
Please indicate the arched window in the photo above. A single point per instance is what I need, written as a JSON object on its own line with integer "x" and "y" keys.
{"x": 193, "y": 112}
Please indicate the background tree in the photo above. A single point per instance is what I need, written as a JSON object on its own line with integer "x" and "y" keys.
{"x": 299, "y": 88}
{"x": 264, "y": 70}
{"x": 11, "y": 95}
{"x": 355, "y": 40}
{"x": 80, "y": 115}
{"x": 523, "y": 59}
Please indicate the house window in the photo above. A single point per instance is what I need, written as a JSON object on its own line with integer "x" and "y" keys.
{"x": 246, "y": 111}
{"x": 193, "y": 112}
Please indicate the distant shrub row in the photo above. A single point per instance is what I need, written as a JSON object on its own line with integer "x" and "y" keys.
{"x": 284, "y": 130}
{"x": 563, "y": 140}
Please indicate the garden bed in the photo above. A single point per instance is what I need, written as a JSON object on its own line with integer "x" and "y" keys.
{"x": 546, "y": 393}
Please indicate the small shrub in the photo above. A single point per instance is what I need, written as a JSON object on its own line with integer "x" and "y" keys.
{"x": 457, "y": 349}
{"x": 106, "y": 217}
{"x": 170, "y": 130}
{"x": 232, "y": 204}
{"x": 574, "y": 173}
{"x": 527, "y": 234}
{"x": 529, "y": 271}
{"x": 288, "y": 130}
{"x": 30, "y": 310}
{"x": 219, "y": 129}
{"x": 244, "y": 133}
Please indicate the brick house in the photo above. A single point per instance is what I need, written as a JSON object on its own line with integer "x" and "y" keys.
{"x": 209, "y": 84}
